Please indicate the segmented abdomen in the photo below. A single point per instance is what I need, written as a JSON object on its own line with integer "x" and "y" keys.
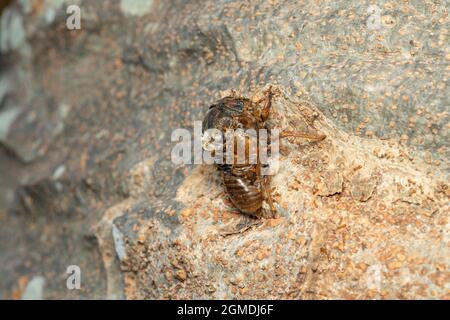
{"x": 243, "y": 194}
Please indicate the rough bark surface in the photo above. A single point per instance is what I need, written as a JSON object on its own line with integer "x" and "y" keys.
{"x": 86, "y": 118}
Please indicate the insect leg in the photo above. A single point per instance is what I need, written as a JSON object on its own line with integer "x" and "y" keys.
{"x": 268, "y": 194}
{"x": 315, "y": 137}
{"x": 265, "y": 186}
{"x": 267, "y": 105}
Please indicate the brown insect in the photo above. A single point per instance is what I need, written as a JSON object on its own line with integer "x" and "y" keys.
{"x": 244, "y": 184}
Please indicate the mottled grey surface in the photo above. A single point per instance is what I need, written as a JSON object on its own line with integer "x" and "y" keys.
{"x": 99, "y": 100}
